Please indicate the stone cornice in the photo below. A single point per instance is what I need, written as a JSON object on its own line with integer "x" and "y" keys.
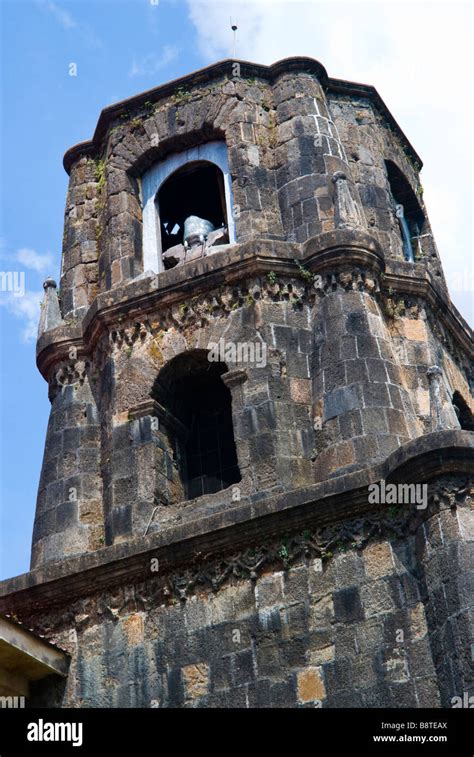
{"x": 236, "y": 528}
{"x": 413, "y": 278}
{"x": 367, "y": 91}
{"x": 328, "y": 251}
{"x": 153, "y": 408}
{"x": 343, "y": 248}
{"x": 248, "y": 70}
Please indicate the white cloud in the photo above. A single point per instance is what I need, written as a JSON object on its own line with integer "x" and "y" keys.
{"x": 417, "y": 54}
{"x": 34, "y": 260}
{"x": 68, "y": 22}
{"x": 61, "y": 15}
{"x": 27, "y": 309}
{"x": 152, "y": 63}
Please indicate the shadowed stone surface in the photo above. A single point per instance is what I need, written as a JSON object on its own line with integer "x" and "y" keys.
{"x": 289, "y": 587}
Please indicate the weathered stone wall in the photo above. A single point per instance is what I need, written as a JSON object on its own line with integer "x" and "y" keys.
{"x": 79, "y": 270}
{"x": 379, "y": 619}
{"x": 345, "y": 382}
{"x": 237, "y": 111}
{"x": 363, "y": 353}
{"x": 446, "y": 555}
{"x": 271, "y": 403}
{"x": 362, "y": 408}
{"x": 69, "y": 515}
{"x": 420, "y": 341}
{"x": 285, "y": 140}
{"x": 307, "y": 153}
{"x": 369, "y": 141}
{"x": 346, "y": 378}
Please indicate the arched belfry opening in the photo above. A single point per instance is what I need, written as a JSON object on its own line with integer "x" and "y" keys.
{"x": 191, "y": 392}
{"x": 463, "y": 412}
{"x": 411, "y": 217}
{"x": 188, "y": 206}
{"x": 196, "y": 189}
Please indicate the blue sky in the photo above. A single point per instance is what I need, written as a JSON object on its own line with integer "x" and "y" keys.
{"x": 418, "y": 55}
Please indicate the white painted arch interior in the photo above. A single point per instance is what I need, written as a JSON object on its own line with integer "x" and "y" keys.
{"x": 151, "y": 181}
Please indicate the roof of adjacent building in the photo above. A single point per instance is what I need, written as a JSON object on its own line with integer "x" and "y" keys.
{"x": 25, "y": 656}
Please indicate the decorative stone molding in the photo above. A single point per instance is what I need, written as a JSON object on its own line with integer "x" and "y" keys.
{"x": 346, "y": 280}
{"x": 129, "y": 333}
{"x": 443, "y": 415}
{"x": 321, "y": 543}
{"x": 151, "y": 407}
{"x": 214, "y": 570}
{"x": 247, "y": 70}
{"x": 232, "y": 531}
{"x": 348, "y": 215}
{"x": 50, "y": 317}
{"x": 72, "y": 373}
{"x": 434, "y": 377}
{"x": 322, "y": 255}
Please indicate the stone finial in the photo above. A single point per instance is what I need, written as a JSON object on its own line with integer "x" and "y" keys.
{"x": 50, "y": 312}
{"x": 348, "y": 214}
{"x": 436, "y": 406}
{"x": 435, "y": 370}
{"x": 442, "y": 411}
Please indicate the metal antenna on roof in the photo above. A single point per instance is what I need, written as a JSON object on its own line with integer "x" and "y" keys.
{"x": 234, "y": 29}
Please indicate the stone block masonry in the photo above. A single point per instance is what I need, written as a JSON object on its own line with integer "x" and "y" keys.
{"x": 351, "y": 614}
{"x": 203, "y": 534}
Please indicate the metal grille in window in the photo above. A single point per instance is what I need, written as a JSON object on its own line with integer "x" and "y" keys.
{"x": 211, "y": 458}
{"x": 198, "y": 420}
{"x": 408, "y": 211}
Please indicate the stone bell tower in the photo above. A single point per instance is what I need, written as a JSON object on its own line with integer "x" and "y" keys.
{"x": 252, "y": 327}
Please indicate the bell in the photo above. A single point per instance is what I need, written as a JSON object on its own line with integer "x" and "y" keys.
{"x": 196, "y": 230}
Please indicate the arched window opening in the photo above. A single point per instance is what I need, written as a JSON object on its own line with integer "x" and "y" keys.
{"x": 407, "y": 209}
{"x": 191, "y": 189}
{"x": 463, "y": 412}
{"x": 191, "y": 390}
{"x": 194, "y": 191}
